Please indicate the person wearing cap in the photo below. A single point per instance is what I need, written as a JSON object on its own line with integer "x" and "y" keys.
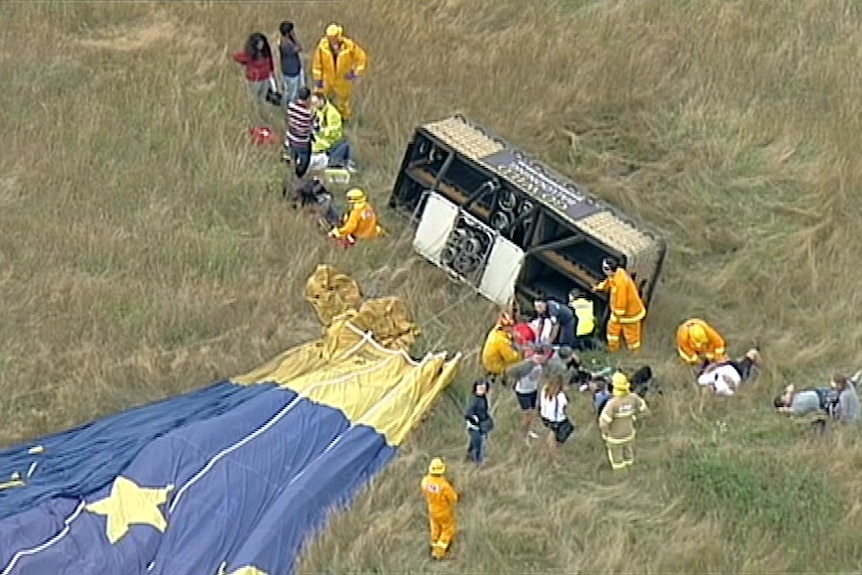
{"x": 562, "y": 320}
{"x": 361, "y": 221}
{"x": 441, "y": 498}
{"x": 527, "y": 375}
{"x": 499, "y": 351}
{"x": 337, "y": 63}
{"x": 564, "y": 361}
{"x": 699, "y": 342}
{"x": 617, "y": 422}
{"x": 523, "y": 334}
{"x": 627, "y": 308}
{"x": 585, "y": 320}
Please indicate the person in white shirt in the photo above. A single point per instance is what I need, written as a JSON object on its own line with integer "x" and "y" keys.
{"x": 543, "y": 327}
{"x": 552, "y": 408}
{"x": 724, "y": 378}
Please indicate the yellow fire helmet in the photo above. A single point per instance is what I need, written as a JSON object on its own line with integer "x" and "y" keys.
{"x": 620, "y": 382}
{"x": 698, "y": 334}
{"x": 334, "y": 31}
{"x": 437, "y": 467}
{"x": 355, "y": 196}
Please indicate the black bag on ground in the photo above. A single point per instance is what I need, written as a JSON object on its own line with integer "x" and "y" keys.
{"x": 274, "y": 97}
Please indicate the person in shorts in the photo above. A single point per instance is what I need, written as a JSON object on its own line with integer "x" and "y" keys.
{"x": 527, "y": 375}
{"x": 552, "y": 408}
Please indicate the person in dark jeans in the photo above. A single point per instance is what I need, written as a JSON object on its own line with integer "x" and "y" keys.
{"x": 479, "y": 422}
{"x": 300, "y": 125}
{"x": 292, "y": 74}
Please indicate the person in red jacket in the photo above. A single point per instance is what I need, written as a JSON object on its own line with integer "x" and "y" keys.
{"x": 259, "y": 69}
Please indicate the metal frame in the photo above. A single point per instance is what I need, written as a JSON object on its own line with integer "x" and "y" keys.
{"x": 483, "y": 190}
{"x": 536, "y": 213}
{"x": 556, "y": 244}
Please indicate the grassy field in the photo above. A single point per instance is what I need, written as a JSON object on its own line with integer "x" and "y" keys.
{"x": 146, "y": 251}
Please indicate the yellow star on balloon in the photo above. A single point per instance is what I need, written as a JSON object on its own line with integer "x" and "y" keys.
{"x": 128, "y": 504}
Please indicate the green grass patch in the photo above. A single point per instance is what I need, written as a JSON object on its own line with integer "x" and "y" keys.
{"x": 221, "y": 254}
{"x": 757, "y": 494}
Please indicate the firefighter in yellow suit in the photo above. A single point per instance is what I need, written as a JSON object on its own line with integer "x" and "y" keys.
{"x": 441, "y": 498}
{"x": 697, "y": 341}
{"x": 361, "y": 222}
{"x": 337, "y": 63}
{"x": 499, "y": 352}
{"x": 617, "y": 422}
{"x": 627, "y": 308}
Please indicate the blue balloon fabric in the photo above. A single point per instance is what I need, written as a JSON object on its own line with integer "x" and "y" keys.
{"x": 242, "y": 475}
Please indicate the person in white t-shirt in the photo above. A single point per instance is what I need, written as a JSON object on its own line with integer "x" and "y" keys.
{"x": 552, "y": 408}
{"x": 724, "y": 378}
{"x": 543, "y": 327}
{"x": 721, "y": 379}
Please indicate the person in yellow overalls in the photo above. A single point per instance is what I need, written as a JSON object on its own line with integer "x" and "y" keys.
{"x": 585, "y": 316}
{"x": 699, "y": 342}
{"x": 361, "y": 221}
{"x": 627, "y": 308}
{"x": 617, "y": 422}
{"x": 337, "y": 63}
{"x": 499, "y": 352}
{"x": 441, "y": 498}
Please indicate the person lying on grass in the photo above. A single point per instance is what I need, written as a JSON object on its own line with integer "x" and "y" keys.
{"x": 723, "y": 378}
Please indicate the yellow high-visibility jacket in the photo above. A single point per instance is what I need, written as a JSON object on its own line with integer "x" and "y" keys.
{"x": 585, "y": 311}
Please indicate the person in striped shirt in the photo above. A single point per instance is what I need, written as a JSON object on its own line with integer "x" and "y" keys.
{"x": 300, "y": 125}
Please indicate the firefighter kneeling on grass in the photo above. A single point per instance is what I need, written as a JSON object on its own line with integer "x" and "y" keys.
{"x": 441, "y": 498}
{"x": 360, "y": 223}
{"x": 617, "y": 422}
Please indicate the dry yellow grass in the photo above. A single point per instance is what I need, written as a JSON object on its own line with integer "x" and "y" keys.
{"x": 145, "y": 250}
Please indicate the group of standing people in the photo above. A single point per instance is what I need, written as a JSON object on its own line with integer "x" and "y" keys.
{"x": 316, "y": 112}
{"x": 539, "y": 358}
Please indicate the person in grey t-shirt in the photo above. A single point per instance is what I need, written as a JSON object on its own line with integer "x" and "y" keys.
{"x": 805, "y": 402}
{"x": 847, "y": 408}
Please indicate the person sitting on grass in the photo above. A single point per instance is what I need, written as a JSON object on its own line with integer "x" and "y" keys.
{"x": 329, "y": 138}
{"x": 847, "y": 407}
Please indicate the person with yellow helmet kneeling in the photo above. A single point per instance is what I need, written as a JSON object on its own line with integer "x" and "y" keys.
{"x": 360, "y": 223}
{"x": 699, "y": 342}
{"x": 441, "y": 498}
{"x": 617, "y": 422}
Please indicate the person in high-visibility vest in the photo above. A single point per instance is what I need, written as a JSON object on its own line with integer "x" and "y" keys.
{"x": 585, "y": 320}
